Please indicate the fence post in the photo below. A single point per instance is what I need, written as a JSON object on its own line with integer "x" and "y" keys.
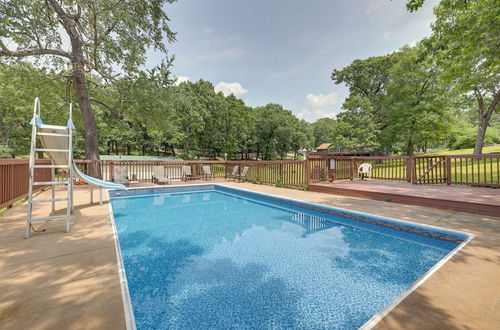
{"x": 409, "y": 168}
{"x": 414, "y": 170}
{"x": 448, "y": 170}
{"x": 305, "y": 168}
{"x": 328, "y": 170}
{"x": 353, "y": 162}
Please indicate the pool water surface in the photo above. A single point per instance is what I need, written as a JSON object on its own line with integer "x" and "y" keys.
{"x": 218, "y": 259}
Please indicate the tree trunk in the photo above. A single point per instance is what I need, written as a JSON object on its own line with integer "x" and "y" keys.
{"x": 410, "y": 148}
{"x": 78, "y": 76}
{"x": 481, "y": 133}
{"x": 484, "y": 118}
{"x": 91, "y": 137}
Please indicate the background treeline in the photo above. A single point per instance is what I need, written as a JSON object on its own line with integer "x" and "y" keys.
{"x": 148, "y": 115}
{"x": 397, "y": 104}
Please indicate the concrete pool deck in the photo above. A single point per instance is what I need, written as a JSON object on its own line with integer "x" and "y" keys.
{"x": 70, "y": 280}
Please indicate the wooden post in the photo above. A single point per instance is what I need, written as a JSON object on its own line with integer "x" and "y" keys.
{"x": 448, "y": 170}
{"x": 328, "y": 177}
{"x": 413, "y": 170}
{"x": 353, "y": 166}
{"x": 409, "y": 169}
{"x": 305, "y": 168}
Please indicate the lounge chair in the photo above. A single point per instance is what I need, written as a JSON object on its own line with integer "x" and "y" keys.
{"x": 187, "y": 174}
{"x": 234, "y": 174}
{"x": 363, "y": 169}
{"x": 120, "y": 175}
{"x": 207, "y": 172}
{"x": 159, "y": 175}
{"x": 242, "y": 176}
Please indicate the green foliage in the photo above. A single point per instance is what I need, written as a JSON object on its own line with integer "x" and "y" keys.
{"x": 465, "y": 44}
{"x": 463, "y": 136}
{"x": 113, "y": 33}
{"x": 19, "y": 84}
{"x": 417, "y": 104}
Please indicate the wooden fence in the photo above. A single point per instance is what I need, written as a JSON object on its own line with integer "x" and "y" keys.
{"x": 286, "y": 173}
{"x": 14, "y": 179}
{"x": 476, "y": 170}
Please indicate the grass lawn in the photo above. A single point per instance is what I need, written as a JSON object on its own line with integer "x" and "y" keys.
{"x": 486, "y": 150}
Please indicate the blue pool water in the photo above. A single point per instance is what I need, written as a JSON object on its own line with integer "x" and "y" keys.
{"x": 217, "y": 259}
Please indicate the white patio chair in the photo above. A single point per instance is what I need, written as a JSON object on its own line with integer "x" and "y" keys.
{"x": 363, "y": 169}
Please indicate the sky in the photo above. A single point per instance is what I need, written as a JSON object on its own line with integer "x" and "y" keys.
{"x": 284, "y": 51}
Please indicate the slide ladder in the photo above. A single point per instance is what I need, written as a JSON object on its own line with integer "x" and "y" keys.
{"x": 63, "y": 158}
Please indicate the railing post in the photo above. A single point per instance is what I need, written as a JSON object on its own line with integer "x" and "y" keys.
{"x": 448, "y": 170}
{"x": 305, "y": 168}
{"x": 353, "y": 165}
{"x": 409, "y": 169}
{"x": 414, "y": 170}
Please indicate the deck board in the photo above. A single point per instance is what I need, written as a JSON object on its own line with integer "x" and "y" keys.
{"x": 485, "y": 201}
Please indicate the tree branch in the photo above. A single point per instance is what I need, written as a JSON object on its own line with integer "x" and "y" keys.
{"x": 4, "y": 51}
{"x": 112, "y": 110}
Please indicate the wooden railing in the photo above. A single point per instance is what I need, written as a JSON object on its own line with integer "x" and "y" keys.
{"x": 14, "y": 179}
{"x": 477, "y": 170}
{"x": 286, "y": 173}
{"x": 143, "y": 170}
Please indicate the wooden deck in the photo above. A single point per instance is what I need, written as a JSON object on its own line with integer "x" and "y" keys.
{"x": 485, "y": 201}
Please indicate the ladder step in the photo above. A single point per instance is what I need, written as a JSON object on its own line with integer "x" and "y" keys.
{"x": 51, "y": 166}
{"x": 62, "y": 128}
{"x": 52, "y": 150}
{"x": 49, "y": 183}
{"x": 52, "y": 134}
{"x": 35, "y": 201}
{"x": 52, "y": 217}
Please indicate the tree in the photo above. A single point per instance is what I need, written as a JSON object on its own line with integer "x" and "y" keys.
{"x": 418, "y": 105}
{"x": 465, "y": 42}
{"x": 367, "y": 80}
{"x": 323, "y": 130}
{"x": 356, "y": 125}
{"x": 102, "y": 35}
{"x": 18, "y": 84}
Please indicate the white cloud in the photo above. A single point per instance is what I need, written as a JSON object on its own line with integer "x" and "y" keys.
{"x": 208, "y": 30}
{"x": 319, "y": 106}
{"x": 375, "y": 6}
{"x": 230, "y": 88}
{"x": 321, "y": 100}
{"x": 412, "y": 43}
{"x": 228, "y": 53}
{"x": 180, "y": 80}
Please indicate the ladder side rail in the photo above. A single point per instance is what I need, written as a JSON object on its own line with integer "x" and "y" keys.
{"x": 53, "y": 178}
{"x": 69, "y": 205}
{"x": 31, "y": 169}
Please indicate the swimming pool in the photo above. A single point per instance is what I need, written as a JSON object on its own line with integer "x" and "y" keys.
{"x": 216, "y": 257}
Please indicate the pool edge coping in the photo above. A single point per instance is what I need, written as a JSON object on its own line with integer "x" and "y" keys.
{"x": 128, "y": 309}
{"x": 127, "y": 303}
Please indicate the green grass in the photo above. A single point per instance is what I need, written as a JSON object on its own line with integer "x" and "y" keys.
{"x": 486, "y": 150}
